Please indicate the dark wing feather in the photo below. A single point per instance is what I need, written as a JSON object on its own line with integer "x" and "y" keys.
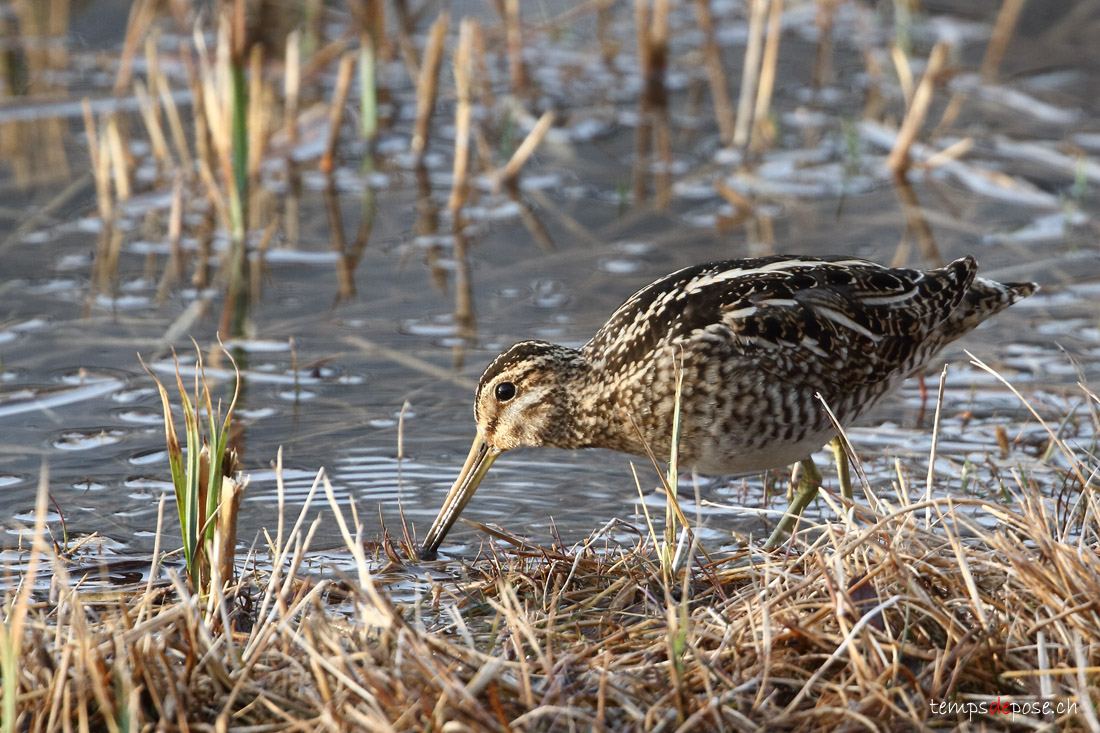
{"x": 828, "y": 322}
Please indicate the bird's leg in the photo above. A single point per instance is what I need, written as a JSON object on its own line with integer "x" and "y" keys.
{"x": 806, "y": 492}
{"x": 923, "y": 398}
{"x": 843, "y": 474}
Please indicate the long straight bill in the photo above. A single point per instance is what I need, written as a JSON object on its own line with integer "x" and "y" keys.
{"x": 474, "y": 469}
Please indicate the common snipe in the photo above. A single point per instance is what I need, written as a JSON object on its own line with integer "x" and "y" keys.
{"x": 757, "y": 340}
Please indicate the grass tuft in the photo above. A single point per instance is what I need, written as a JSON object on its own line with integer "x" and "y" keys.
{"x": 207, "y": 494}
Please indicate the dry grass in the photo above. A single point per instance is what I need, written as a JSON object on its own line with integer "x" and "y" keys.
{"x": 878, "y": 624}
{"x": 874, "y": 623}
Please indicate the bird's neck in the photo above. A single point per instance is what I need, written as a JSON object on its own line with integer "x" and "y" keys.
{"x": 572, "y": 399}
{"x": 594, "y": 418}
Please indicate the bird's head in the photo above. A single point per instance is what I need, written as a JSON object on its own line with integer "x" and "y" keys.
{"x": 526, "y": 397}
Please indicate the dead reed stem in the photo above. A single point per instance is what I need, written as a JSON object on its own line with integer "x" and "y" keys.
{"x": 158, "y": 86}
{"x": 100, "y": 164}
{"x": 151, "y": 118}
{"x": 463, "y": 70}
{"x": 716, "y": 75}
{"x": 508, "y": 173}
{"x": 291, "y": 87}
{"x": 898, "y": 160}
{"x": 138, "y": 21}
{"x": 1003, "y": 30}
{"x": 119, "y": 158}
{"x": 514, "y": 30}
{"x": 750, "y": 72}
{"x": 259, "y": 111}
{"x": 174, "y": 270}
{"x": 763, "y": 132}
{"x": 904, "y": 72}
{"x": 427, "y": 84}
{"x": 651, "y": 27}
{"x": 405, "y": 26}
{"x": 336, "y": 110}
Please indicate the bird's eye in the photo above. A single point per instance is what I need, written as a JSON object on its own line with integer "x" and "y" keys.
{"x": 505, "y": 391}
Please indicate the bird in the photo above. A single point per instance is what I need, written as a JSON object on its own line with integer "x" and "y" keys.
{"x": 759, "y": 344}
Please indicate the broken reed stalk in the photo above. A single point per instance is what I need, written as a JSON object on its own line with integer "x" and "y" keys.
{"x": 161, "y": 100}
{"x": 763, "y": 132}
{"x": 898, "y": 160}
{"x": 652, "y": 32}
{"x": 214, "y": 115}
{"x": 117, "y": 153}
{"x": 463, "y": 70}
{"x": 905, "y": 73}
{"x": 658, "y": 49}
{"x": 750, "y": 73}
{"x": 149, "y": 115}
{"x": 506, "y": 175}
{"x": 291, "y": 87}
{"x": 1003, "y": 29}
{"x": 427, "y": 84}
{"x": 336, "y": 110}
{"x": 158, "y": 86}
{"x": 406, "y": 25}
{"x": 205, "y": 154}
{"x": 257, "y": 114}
{"x": 954, "y": 151}
{"x": 174, "y": 269}
{"x": 514, "y": 32}
{"x": 651, "y": 25}
{"x": 100, "y": 163}
{"x": 716, "y": 75}
{"x": 138, "y": 21}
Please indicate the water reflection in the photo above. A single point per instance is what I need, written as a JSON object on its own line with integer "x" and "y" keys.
{"x": 392, "y": 298}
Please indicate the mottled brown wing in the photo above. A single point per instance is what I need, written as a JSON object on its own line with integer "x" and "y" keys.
{"x": 855, "y": 325}
{"x": 829, "y": 322}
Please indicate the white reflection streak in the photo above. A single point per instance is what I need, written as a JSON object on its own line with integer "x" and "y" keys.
{"x": 63, "y": 397}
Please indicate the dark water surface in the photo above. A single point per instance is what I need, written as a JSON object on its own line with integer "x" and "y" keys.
{"x": 392, "y": 365}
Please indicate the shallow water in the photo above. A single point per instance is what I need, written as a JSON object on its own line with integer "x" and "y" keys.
{"x": 382, "y": 395}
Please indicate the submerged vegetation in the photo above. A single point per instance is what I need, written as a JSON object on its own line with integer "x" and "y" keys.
{"x": 922, "y": 606}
